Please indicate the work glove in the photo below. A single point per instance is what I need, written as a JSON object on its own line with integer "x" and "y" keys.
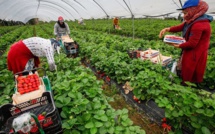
{"x": 58, "y": 49}
{"x": 52, "y": 67}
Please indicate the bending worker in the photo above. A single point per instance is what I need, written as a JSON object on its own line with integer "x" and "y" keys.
{"x": 61, "y": 27}
{"x": 24, "y": 54}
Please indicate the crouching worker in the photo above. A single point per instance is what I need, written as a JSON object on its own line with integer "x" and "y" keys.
{"x": 24, "y": 54}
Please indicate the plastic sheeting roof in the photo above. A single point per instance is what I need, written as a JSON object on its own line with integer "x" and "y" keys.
{"x": 49, "y": 10}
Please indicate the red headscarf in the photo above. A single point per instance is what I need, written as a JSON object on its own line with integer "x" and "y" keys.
{"x": 193, "y": 13}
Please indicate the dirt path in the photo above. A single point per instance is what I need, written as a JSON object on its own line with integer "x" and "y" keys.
{"x": 138, "y": 119}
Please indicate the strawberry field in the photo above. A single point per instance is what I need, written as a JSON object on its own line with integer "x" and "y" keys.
{"x": 85, "y": 88}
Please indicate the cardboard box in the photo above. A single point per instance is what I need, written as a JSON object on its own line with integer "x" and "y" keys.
{"x": 19, "y": 98}
{"x": 66, "y": 39}
{"x": 148, "y": 54}
{"x": 160, "y": 59}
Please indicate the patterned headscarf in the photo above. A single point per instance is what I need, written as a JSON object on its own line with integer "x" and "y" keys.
{"x": 195, "y": 12}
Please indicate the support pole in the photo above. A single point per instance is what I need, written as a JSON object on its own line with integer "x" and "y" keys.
{"x": 180, "y": 2}
{"x": 108, "y": 28}
{"x": 132, "y": 15}
{"x": 133, "y": 25}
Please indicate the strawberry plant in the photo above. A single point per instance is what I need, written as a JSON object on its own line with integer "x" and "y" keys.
{"x": 84, "y": 109}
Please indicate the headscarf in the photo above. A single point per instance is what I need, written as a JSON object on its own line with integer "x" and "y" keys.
{"x": 61, "y": 25}
{"x": 195, "y": 12}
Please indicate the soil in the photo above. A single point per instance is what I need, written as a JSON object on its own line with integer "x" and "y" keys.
{"x": 138, "y": 119}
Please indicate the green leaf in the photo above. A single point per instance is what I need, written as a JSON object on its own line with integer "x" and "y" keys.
{"x": 127, "y": 122}
{"x": 124, "y": 111}
{"x": 80, "y": 119}
{"x": 175, "y": 113}
{"x": 66, "y": 125}
{"x": 107, "y": 124}
{"x": 89, "y": 125}
{"x": 71, "y": 94}
{"x": 111, "y": 130}
{"x": 124, "y": 123}
{"x": 66, "y": 131}
{"x": 63, "y": 114}
{"x": 81, "y": 128}
{"x": 72, "y": 122}
{"x": 102, "y": 130}
{"x": 85, "y": 80}
{"x": 97, "y": 105}
{"x": 198, "y": 104}
{"x": 58, "y": 104}
{"x": 104, "y": 118}
{"x": 213, "y": 96}
{"x": 68, "y": 72}
{"x": 86, "y": 116}
{"x": 66, "y": 100}
{"x": 195, "y": 125}
{"x": 98, "y": 124}
{"x": 119, "y": 128}
{"x": 8, "y": 89}
{"x": 75, "y": 132}
{"x": 194, "y": 119}
{"x": 124, "y": 117}
{"x": 205, "y": 130}
{"x": 209, "y": 113}
{"x": 100, "y": 112}
{"x": 200, "y": 111}
{"x": 93, "y": 130}
{"x": 60, "y": 98}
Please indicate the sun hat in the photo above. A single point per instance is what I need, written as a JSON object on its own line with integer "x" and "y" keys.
{"x": 189, "y": 3}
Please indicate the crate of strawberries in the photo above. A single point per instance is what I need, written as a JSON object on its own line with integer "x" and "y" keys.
{"x": 28, "y": 87}
{"x": 173, "y": 39}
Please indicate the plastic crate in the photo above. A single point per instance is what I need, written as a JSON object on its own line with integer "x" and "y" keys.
{"x": 45, "y": 103}
{"x": 70, "y": 47}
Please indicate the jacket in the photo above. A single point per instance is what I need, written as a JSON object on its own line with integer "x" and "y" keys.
{"x": 195, "y": 49}
{"x": 115, "y": 21}
{"x": 58, "y": 31}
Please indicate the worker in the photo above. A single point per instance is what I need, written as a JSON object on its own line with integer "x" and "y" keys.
{"x": 116, "y": 23}
{"x": 24, "y": 54}
{"x": 196, "y": 30}
{"x": 81, "y": 21}
{"x": 61, "y": 27}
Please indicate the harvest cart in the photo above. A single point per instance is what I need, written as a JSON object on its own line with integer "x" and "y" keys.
{"x": 30, "y": 103}
{"x": 50, "y": 123}
{"x": 70, "y": 47}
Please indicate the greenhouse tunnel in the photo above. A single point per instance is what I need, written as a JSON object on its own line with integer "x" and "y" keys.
{"x": 92, "y": 93}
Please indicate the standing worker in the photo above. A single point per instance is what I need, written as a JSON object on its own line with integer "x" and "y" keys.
{"x": 116, "y": 23}
{"x": 61, "y": 27}
{"x": 196, "y": 30}
{"x": 24, "y": 54}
